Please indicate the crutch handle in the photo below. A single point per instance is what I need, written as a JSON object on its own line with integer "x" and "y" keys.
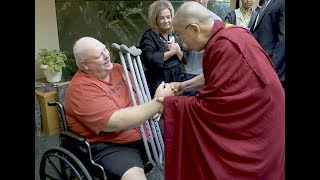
{"x": 115, "y": 46}
{"x": 132, "y": 50}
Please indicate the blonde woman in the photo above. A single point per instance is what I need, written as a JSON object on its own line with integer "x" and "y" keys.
{"x": 162, "y": 53}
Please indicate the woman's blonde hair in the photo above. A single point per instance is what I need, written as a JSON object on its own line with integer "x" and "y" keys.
{"x": 154, "y": 11}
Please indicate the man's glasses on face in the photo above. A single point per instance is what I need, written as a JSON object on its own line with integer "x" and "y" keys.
{"x": 178, "y": 35}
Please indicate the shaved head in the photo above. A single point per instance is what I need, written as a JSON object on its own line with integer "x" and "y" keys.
{"x": 82, "y": 47}
{"x": 190, "y": 12}
{"x": 193, "y": 23}
{"x": 93, "y": 57}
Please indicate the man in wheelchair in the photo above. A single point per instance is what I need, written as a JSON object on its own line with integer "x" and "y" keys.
{"x": 98, "y": 107}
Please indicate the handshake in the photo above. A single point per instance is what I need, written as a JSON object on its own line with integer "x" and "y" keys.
{"x": 168, "y": 89}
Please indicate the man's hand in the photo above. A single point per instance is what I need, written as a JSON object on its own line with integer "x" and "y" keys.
{"x": 163, "y": 90}
{"x": 177, "y": 88}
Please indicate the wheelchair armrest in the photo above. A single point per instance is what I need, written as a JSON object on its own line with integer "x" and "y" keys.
{"x": 70, "y": 135}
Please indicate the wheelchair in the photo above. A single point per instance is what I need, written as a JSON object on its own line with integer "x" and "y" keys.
{"x": 73, "y": 158}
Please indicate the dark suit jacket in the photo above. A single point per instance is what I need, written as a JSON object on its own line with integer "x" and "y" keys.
{"x": 270, "y": 33}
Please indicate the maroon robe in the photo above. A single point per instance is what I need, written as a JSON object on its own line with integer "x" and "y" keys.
{"x": 234, "y": 128}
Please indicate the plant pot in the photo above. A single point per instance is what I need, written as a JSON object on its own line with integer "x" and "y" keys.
{"x": 51, "y": 76}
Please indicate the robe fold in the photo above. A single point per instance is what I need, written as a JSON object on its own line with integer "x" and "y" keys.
{"x": 234, "y": 128}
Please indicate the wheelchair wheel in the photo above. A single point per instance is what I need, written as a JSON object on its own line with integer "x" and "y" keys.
{"x": 60, "y": 164}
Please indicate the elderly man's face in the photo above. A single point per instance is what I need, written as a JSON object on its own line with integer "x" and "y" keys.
{"x": 98, "y": 60}
{"x": 185, "y": 33}
{"x": 181, "y": 32}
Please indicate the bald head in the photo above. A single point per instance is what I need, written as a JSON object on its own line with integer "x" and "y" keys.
{"x": 193, "y": 24}
{"x": 92, "y": 57}
{"x": 191, "y": 12}
{"x": 82, "y": 48}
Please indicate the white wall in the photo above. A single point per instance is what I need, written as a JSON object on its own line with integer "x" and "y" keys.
{"x": 46, "y": 32}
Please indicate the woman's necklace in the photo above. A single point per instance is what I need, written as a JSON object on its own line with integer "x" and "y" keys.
{"x": 163, "y": 39}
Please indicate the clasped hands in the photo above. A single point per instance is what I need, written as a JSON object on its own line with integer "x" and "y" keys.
{"x": 167, "y": 89}
{"x": 173, "y": 46}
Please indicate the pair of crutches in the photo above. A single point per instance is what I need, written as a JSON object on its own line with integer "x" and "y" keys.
{"x": 131, "y": 56}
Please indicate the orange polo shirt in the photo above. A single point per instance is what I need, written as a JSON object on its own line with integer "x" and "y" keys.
{"x": 89, "y": 103}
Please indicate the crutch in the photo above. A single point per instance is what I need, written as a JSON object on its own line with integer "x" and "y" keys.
{"x": 140, "y": 89}
{"x": 154, "y": 133}
{"x": 144, "y": 87}
{"x": 138, "y": 69}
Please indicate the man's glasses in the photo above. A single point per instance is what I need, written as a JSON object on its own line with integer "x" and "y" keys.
{"x": 183, "y": 31}
{"x": 178, "y": 35}
{"x": 188, "y": 26}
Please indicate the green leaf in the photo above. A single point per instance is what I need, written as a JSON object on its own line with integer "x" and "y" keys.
{"x": 55, "y": 59}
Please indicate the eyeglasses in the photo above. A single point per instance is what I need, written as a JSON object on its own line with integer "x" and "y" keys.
{"x": 178, "y": 35}
{"x": 187, "y": 26}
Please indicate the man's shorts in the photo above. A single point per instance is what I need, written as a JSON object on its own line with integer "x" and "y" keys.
{"x": 116, "y": 159}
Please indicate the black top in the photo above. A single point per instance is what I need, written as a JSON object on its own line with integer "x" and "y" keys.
{"x": 153, "y": 47}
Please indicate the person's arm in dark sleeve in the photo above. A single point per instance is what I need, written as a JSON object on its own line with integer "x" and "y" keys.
{"x": 278, "y": 55}
{"x": 150, "y": 55}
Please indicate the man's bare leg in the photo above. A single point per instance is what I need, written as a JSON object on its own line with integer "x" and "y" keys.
{"x": 134, "y": 173}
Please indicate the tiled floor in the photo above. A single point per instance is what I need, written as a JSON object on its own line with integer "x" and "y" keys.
{"x": 44, "y": 142}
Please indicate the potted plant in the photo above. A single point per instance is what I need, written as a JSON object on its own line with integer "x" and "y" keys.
{"x": 52, "y": 62}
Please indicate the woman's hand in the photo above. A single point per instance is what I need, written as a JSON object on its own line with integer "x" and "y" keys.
{"x": 174, "y": 47}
